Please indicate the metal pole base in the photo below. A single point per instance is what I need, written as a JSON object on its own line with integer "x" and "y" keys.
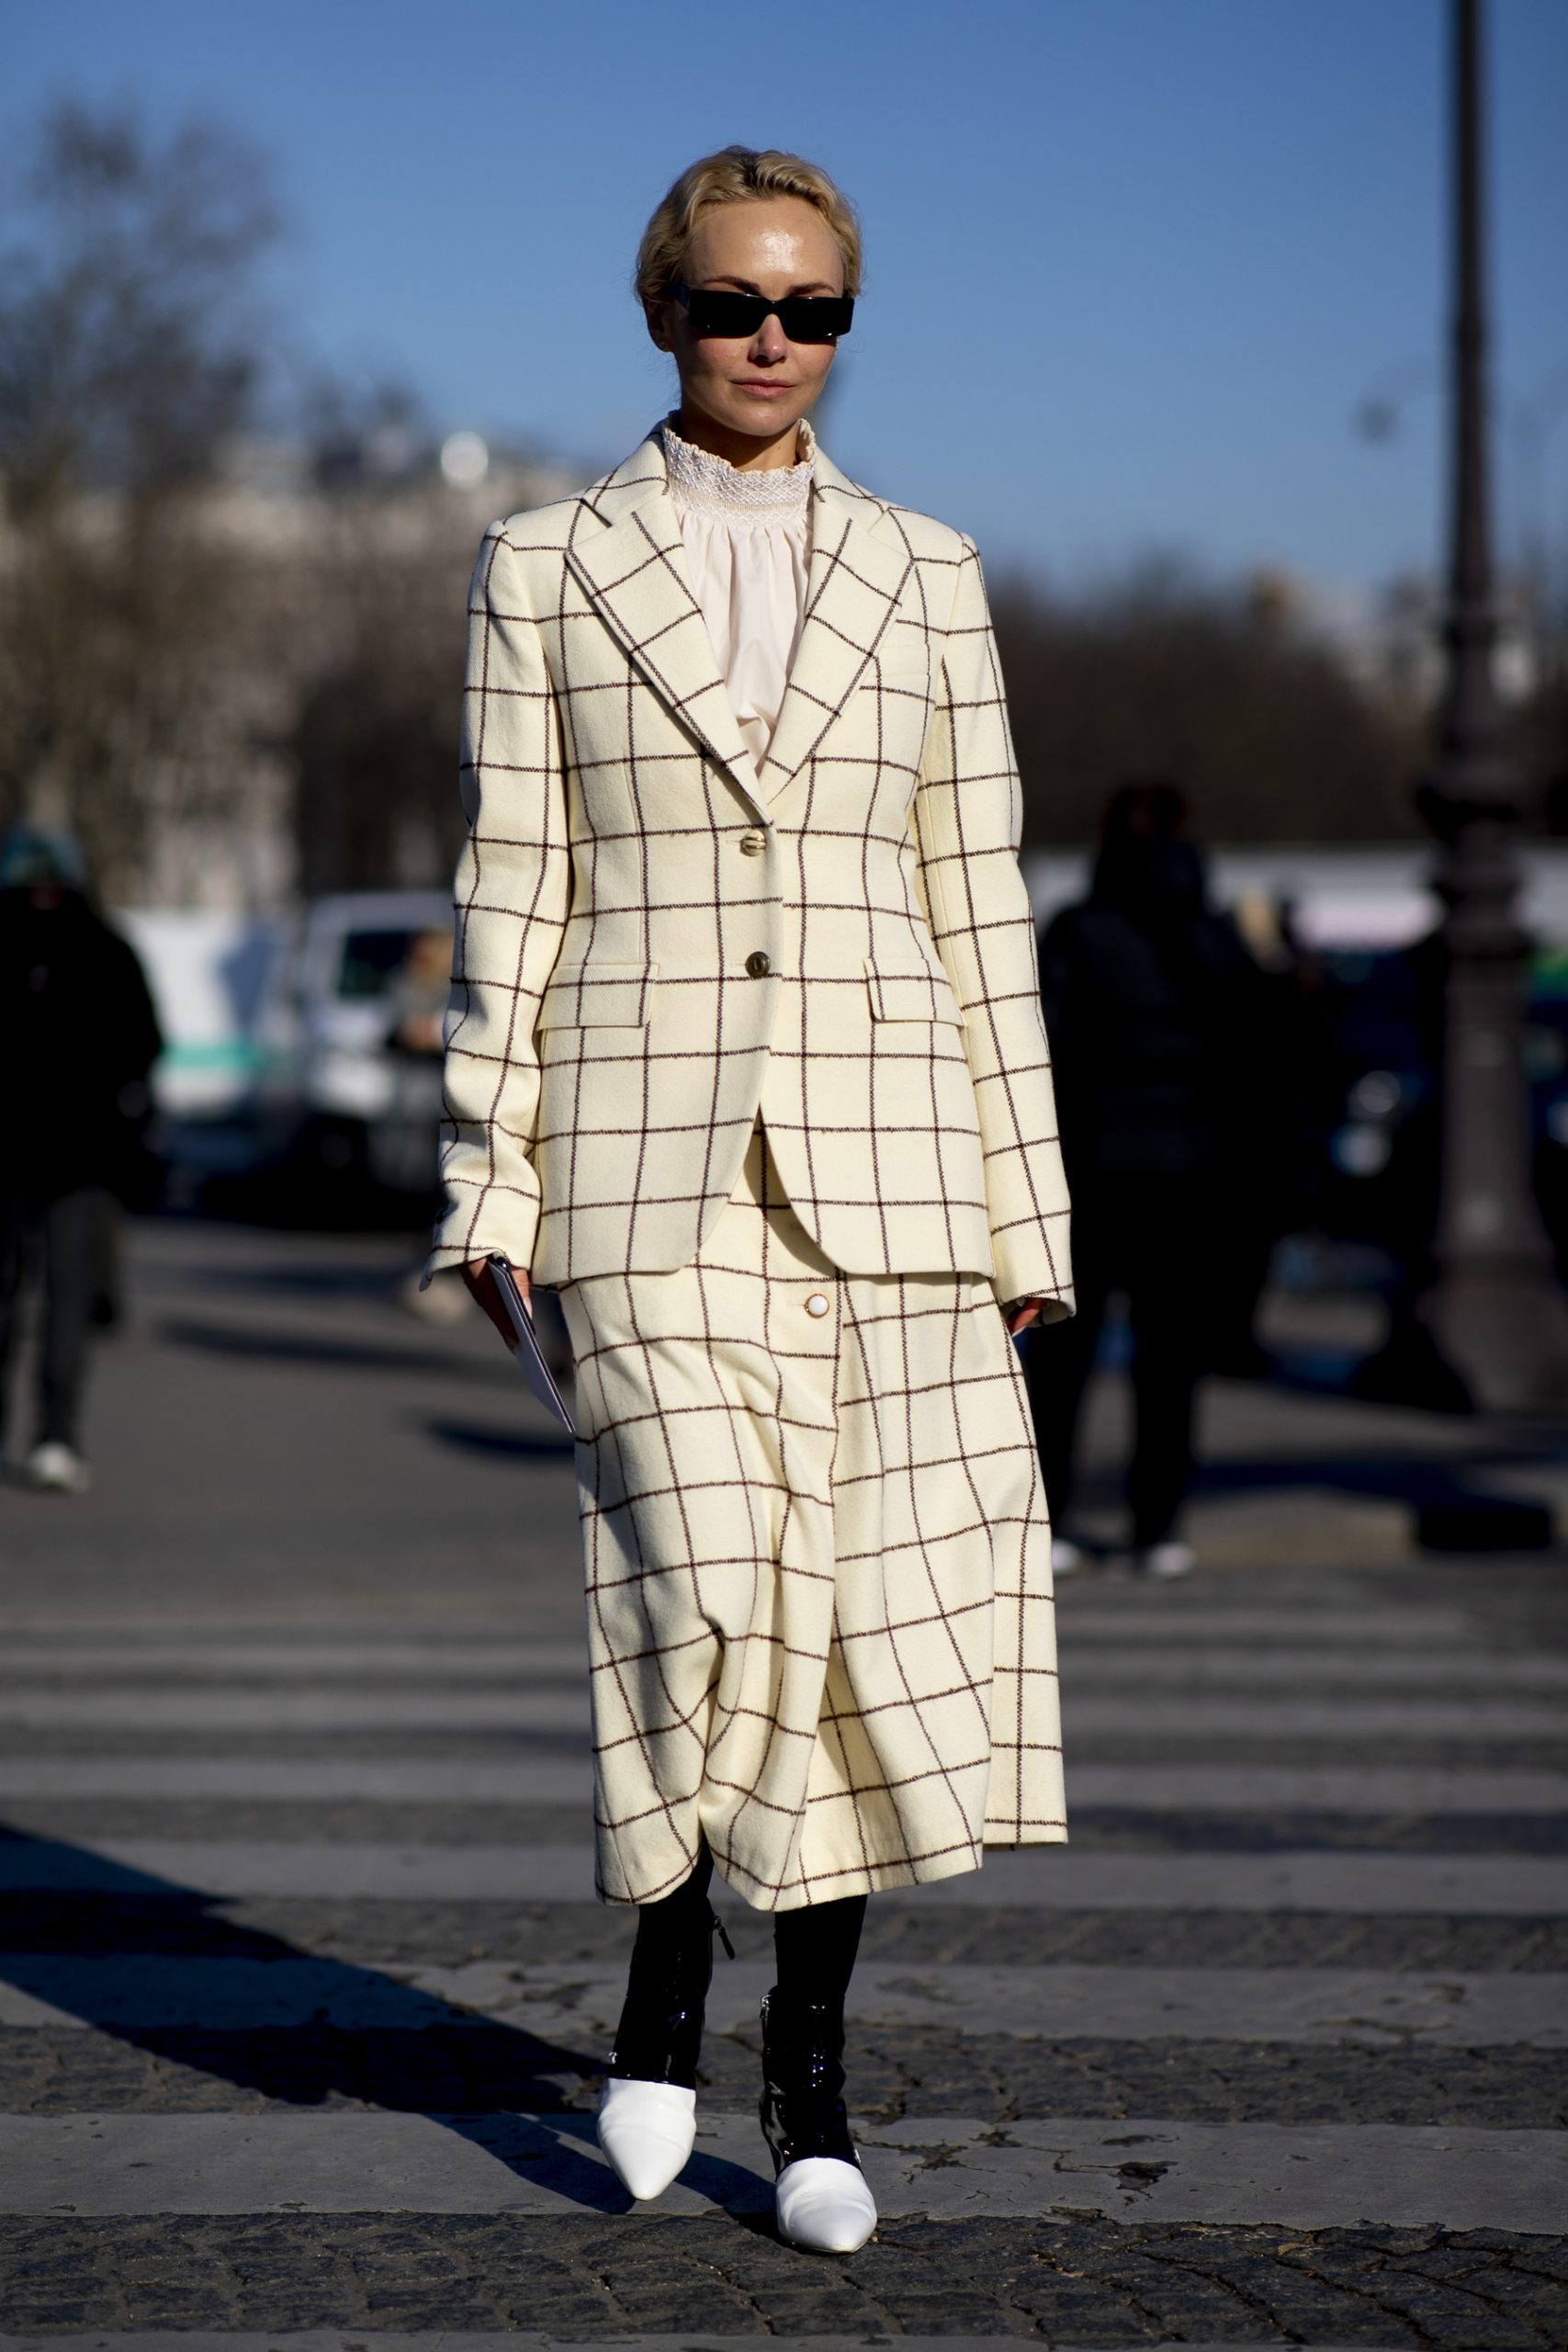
{"x": 1503, "y": 1332}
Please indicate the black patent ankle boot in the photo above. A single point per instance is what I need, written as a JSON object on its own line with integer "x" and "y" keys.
{"x": 660, "y": 2036}
{"x": 647, "y": 2109}
{"x": 802, "y": 2105}
{"x": 821, "y": 2198}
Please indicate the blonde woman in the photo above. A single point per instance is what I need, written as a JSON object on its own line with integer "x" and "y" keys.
{"x": 746, "y": 1062}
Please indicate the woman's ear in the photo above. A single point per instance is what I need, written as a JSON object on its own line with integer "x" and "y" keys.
{"x": 654, "y": 314}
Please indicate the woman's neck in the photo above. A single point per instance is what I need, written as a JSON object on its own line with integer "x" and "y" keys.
{"x": 744, "y": 451}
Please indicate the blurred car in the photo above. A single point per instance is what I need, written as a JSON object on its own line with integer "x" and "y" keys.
{"x": 347, "y": 1090}
{"x": 1546, "y": 1065}
{"x": 1377, "y": 1108}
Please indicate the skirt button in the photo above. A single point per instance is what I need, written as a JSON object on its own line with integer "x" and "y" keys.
{"x": 816, "y": 1303}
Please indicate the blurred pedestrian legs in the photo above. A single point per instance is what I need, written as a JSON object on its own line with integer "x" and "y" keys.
{"x": 1133, "y": 1235}
{"x": 1165, "y": 1036}
{"x": 78, "y": 1037}
{"x": 61, "y": 1240}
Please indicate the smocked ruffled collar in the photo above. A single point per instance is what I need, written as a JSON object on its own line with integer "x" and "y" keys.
{"x": 710, "y": 485}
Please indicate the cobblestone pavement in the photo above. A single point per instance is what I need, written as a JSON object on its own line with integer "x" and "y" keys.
{"x": 303, "y": 1996}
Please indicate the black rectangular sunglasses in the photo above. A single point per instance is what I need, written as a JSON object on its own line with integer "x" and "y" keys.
{"x": 805, "y": 317}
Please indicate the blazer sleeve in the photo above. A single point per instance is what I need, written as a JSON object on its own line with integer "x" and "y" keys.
{"x": 968, "y": 823}
{"x": 511, "y": 896}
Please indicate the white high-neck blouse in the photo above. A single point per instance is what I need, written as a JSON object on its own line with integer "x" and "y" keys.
{"x": 747, "y": 540}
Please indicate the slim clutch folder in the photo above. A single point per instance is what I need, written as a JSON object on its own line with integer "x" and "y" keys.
{"x": 529, "y": 1355}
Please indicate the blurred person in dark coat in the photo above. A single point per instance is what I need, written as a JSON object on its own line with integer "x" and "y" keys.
{"x": 78, "y": 1037}
{"x": 1159, "y": 1025}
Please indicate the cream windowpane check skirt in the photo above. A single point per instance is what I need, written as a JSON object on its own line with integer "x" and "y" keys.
{"x": 817, "y": 1569}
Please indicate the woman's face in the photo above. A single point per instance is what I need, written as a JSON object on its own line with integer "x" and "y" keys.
{"x": 760, "y": 384}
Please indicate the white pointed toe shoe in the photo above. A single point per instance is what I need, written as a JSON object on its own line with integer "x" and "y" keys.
{"x": 825, "y": 2205}
{"x": 648, "y": 2130}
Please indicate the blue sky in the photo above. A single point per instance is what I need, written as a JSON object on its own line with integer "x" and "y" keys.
{"x": 1131, "y": 262}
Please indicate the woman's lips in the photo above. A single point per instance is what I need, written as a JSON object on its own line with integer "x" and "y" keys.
{"x": 768, "y": 386}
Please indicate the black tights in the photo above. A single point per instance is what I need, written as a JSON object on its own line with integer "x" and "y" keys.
{"x": 814, "y": 1947}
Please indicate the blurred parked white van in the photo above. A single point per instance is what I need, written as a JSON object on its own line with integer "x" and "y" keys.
{"x": 303, "y": 1047}
{"x": 348, "y": 1036}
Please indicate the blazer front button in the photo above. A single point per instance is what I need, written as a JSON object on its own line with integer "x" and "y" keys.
{"x": 758, "y": 965}
{"x": 816, "y": 1303}
{"x": 753, "y": 844}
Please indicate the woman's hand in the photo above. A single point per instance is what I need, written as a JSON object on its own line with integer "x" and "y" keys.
{"x": 481, "y": 1285}
{"x": 1022, "y": 1313}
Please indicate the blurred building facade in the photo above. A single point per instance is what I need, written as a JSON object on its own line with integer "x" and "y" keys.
{"x": 316, "y": 638}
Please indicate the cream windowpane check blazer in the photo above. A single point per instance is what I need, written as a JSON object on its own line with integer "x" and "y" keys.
{"x": 654, "y": 939}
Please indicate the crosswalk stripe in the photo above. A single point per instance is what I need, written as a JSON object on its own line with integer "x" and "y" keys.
{"x": 1318, "y": 2007}
{"x": 1129, "y": 1671}
{"x": 1108, "y": 1669}
{"x": 432, "y": 1663}
{"x": 1432, "y": 1791}
{"x": 366, "y": 1779}
{"x": 1203, "y": 1716}
{"x": 565, "y": 1709}
{"x": 1057, "y": 1878}
{"x": 1370, "y": 1884}
{"x": 166, "y": 1707}
{"x": 1084, "y": 1615}
{"x": 1308, "y": 2177}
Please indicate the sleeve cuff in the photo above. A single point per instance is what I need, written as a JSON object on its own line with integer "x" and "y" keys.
{"x": 504, "y": 1229}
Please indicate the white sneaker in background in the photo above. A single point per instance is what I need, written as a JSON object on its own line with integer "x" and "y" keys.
{"x": 1164, "y": 1561}
{"x": 58, "y": 1469}
{"x": 1067, "y": 1558}
{"x": 446, "y": 1302}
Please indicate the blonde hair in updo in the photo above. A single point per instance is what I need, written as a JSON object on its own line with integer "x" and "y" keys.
{"x": 739, "y": 175}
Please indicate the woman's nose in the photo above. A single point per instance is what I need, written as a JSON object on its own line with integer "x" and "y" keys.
{"x": 770, "y": 342}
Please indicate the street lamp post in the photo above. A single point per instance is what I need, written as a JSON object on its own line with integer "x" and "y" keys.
{"x": 1493, "y": 1310}
{"x": 1533, "y": 423}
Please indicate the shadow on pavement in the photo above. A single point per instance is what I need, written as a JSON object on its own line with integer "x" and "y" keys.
{"x": 134, "y": 1955}
{"x": 378, "y": 1283}
{"x": 522, "y": 1444}
{"x": 1455, "y": 1504}
{"x": 1414, "y": 1478}
{"x": 308, "y": 1346}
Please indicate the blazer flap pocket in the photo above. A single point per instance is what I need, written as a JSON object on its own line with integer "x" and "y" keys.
{"x": 911, "y": 992}
{"x": 597, "y": 995}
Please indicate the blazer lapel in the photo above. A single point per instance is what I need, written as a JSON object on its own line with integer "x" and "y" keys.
{"x": 859, "y": 565}
{"x": 635, "y": 571}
